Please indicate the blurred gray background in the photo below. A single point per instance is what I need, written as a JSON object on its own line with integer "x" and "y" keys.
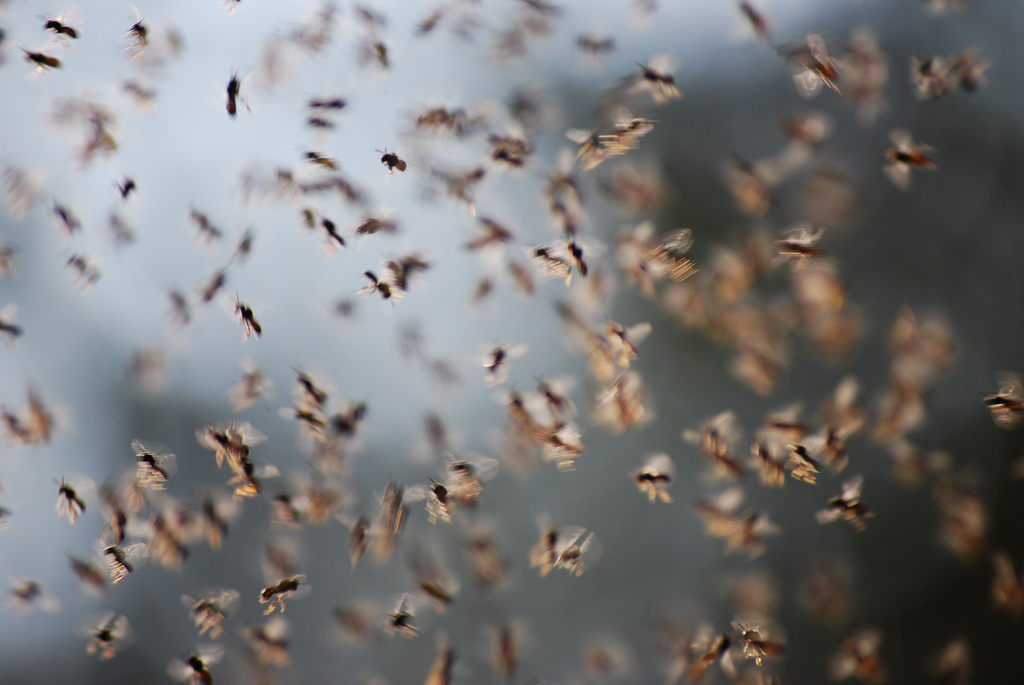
{"x": 950, "y": 248}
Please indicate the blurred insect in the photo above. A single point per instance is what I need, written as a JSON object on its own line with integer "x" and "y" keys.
{"x": 373, "y": 225}
{"x": 506, "y": 652}
{"x": 107, "y": 636}
{"x": 27, "y": 595}
{"x": 248, "y": 390}
{"x": 390, "y": 521}
{"x": 903, "y": 156}
{"x": 847, "y": 505}
{"x": 812, "y": 67}
{"x": 270, "y": 641}
{"x": 333, "y": 104}
{"x": 801, "y": 464}
{"x": 68, "y": 223}
{"x": 441, "y": 670}
{"x": 195, "y": 669}
{"x": 138, "y": 34}
{"x": 510, "y": 149}
{"x": 488, "y": 563}
{"x": 399, "y": 620}
{"x": 741, "y": 532}
{"x": 204, "y": 226}
{"x": 401, "y": 270}
{"x": 126, "y": 187}
{"x": 595, "y": 44}
{"x": 167, "y": 539}
{"x": 758, "y": 21}
{"x": 1007, "y": 584}
{"x": 969, "y": 70}
{"x": 155, "y": 464}
{"x": 964, "y": 518}
{"x": 496, "y": 362}
{"x": 122, "y": 561}
{"x": 1007, "y": 403}
{"x": 43, "y": 61}
{"x": 433, "y": 581}
{"x": 85, "y": 271}
{"x": 276, "y": 594}
{"x": 623, "y": 137}
{"x": 654, "y": 477}
{"x": 704, "y": 651}
{"x": 8, "y": 329}
{"x": 655, "y": 77}
{"x": 59, "y": 28}
{"x": 91, "y": 576}
{"x": 234, "y": 90}
{"x": 69, "y": 501}
{"x": 376, "y": 285}
{"x": 755, "y": 644}
{"x": 210, "y": 609}
{"x": 714, "y": 440}
{"x": 232, "y": 5}
{"x": 230, "y": 442}
{"x": 858, "y": 658}
{"x": 553, "y": 262}
{"x": 392, "y": 161}
{"x": 799, "y": 243}
{"x": 954, "y": 664}
{"x": 7, "y": 261}
{"x": 571, "y": 548}
{"x": 250, "y": 326}
{"x": 622, "y": 404}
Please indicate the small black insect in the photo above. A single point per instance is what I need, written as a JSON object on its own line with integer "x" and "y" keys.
{"x": 392, "y": 161}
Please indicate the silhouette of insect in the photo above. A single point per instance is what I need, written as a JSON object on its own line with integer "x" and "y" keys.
{"x": 392, "y": 161}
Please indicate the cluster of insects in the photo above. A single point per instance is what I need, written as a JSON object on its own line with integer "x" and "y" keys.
{"x": 438, "y": 530}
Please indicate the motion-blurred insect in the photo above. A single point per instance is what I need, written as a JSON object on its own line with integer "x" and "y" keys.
{"x": 654, "y": 477}
{"x": 714, "y": 440}
{"x": 69, "y": 501}
{"x": 858, "y": 658}
{"x": 195, "y": 669}
{"x": 59, "y": 28}
{"x": 43, "y": 61}
{"x": 595, "y": 44}
{"x": 122, "y": 561}
{"x": 107, "y": 636}
{"x": 655, "y": 77}
{"x": 571, "y": 548}
{"x": 799, "y": 243}
{"x": 392, "y": 161}
{"x": 90, "y": 575}
{"x": 812, "y": 67}
{"x": 210, "y": 609}
{"x": 270, "y": 641}
{"x": 8, "y": 329}
{"x": 903, "y": 156}
{"x": 496, "y": 362}
{"x": 138, "y": 34}
{"x": 758, "y": 21}
{"x": 441, "y": 670}
{"x": 155, "y": 464}
{"x": 1007, "y": 585}
{"x": 28, "y": 595}
{"x": 277, "y": 593}
{"x": 1007, "y": 403}
{"x": 847, "y": 505}
{"x": 233, "y": 90}
{"x": 250, "y": 326}
{"x": 126, "y": 187}
{"x": 399, "y": 620}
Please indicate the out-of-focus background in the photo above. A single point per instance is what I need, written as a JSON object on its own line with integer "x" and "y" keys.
{"x": 741, "y": 158}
